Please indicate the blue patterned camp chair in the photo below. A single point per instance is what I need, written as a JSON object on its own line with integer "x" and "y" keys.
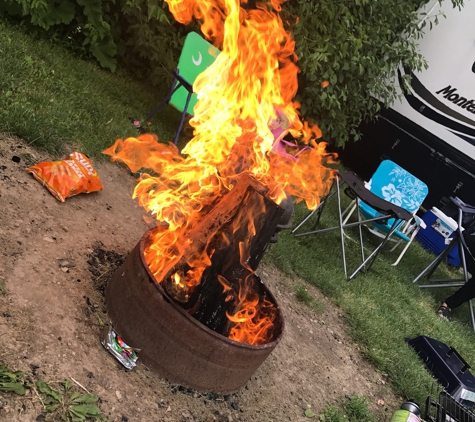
{"x": 386, "y": 205}
{"x": 396, "y": 185}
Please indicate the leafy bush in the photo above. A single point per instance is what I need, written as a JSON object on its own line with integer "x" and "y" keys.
{"x": 140, "y": 34}
{"x": 355, "y": 45}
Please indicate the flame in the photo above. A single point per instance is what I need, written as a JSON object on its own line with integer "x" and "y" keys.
{"x": 254, "y": 317}
{"x": 245, "y": 107}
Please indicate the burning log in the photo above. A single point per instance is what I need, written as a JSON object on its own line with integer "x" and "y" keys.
{"x": 235, "y": 234}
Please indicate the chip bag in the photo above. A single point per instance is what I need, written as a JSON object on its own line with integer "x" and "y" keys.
{"x": 68, "y": 177}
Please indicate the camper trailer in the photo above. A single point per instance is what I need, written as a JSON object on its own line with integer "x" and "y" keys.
{"x": 431, "y": 130}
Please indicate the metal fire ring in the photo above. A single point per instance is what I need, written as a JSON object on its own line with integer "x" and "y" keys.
{"x": 174, "y": 344}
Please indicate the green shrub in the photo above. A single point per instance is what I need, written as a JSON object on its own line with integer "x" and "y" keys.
{"x": 355, "y": 45}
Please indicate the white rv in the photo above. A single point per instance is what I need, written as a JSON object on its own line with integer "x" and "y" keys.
{"x": 431, "y": 131}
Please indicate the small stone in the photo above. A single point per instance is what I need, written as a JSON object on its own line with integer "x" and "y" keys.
{"x": 65, "y": 269}
{"x": 118, "y": 395}
{"x": 169, "y": 409}
{"x": 48, "y": 239}
{"x": 64, "y": 262}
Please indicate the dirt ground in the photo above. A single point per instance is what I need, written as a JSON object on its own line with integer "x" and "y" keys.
{"x": 51, "y": 316}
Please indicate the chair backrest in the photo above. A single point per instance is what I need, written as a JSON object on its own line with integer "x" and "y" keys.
{"x": 196, "y": 56}
{"x": 396, "y": 185}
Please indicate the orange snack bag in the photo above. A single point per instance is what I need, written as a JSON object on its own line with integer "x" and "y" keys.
{"x": 68, "y": 177}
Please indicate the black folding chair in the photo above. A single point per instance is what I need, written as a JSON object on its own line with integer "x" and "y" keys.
{"x": 178, "y": 82}
{"x": 466, "y": 226}
{"x": 356, "y": 190}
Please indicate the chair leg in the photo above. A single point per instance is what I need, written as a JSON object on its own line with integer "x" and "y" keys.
{"x": 175, "y": 86}
{"x": 472, "y": 316}
{"x": 414, "y": 233}
{"x": 183, "y": 115}
{"x": 342, "y": 232}
{"x": 368, "y": 263}
{"x": 360, "y": 231}
{"x": 429, "y": 270}
{"x": 304, "y": 220}
{"x": 349, "y": 211}
{"x": 318, "y": 210}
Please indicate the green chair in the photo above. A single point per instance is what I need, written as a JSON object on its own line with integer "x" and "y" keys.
{"x": 196, "y": 56}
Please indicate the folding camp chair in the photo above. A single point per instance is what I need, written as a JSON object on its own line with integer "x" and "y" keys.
{"x": 465, "y": 226}
{"x": 396, "y": 185}
{"x": 385, "y": 205}
{"x": 196, "y": 56}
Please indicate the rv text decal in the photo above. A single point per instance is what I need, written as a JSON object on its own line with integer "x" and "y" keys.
{"x": 450, "y": 94}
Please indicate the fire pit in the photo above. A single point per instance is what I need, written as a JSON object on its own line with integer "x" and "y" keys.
{"x": 187, "y": 295}
{"x": 173, "y": 343}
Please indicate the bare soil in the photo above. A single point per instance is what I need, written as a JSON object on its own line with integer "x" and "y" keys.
{"x": 51, "y": 316}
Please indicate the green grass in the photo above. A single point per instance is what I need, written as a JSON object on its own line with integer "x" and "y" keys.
{"x": 383, "y": 307}
{"x": 305, "y": 297}
{"x": 55, "y": 101}
{"x": 348, "y": 409}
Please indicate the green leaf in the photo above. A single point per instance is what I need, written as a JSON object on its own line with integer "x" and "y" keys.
{"x": 6, "y": 374}
{"x": 76, "y": 416}
{"x": 67, "y": 385}
{"x": 309, "y": 413}
{"x": 51, "y": 408}
{"x": 88, "y": 410}
{"x": 85, "y": 398}
{"x": 14, "y": 387}
{"x": 46, "y": 389}
{"x": 104, "y": 53}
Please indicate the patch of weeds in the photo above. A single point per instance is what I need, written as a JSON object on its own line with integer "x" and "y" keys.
{"x": 356, "y": 408}
{"x": 3, "y": 288}
{"x": 331, "y": 414}
{"x": 64, "y": 405}
{"x": 11, "y": 381}
{"x": 305, "y": 297}
{"x": 67, "y": 404}
{"x": 351, "y": 409}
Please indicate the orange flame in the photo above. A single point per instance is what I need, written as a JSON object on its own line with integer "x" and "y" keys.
{"x": 245, "y": 107}
{"x": 254, "y": 316}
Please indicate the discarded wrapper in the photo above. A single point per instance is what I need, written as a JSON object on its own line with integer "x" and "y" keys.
{"x": 125, "y": 354}
{"x": 68, "y": 177}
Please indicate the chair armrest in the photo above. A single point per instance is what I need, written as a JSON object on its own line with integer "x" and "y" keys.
{"x": 357, "y": 186}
